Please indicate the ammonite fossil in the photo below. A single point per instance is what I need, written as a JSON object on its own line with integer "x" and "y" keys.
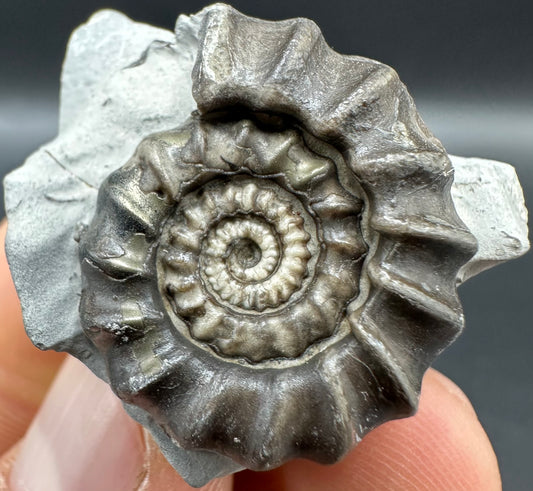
{"x": 270, "y": 277}
{"x": 284, "y": 263}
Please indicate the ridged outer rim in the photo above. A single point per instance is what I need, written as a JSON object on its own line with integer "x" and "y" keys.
{"x": 262, "y": 417}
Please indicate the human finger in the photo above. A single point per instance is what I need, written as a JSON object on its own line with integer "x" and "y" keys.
{"x": 83, "y": 439}
{"x": 25, "y": 371}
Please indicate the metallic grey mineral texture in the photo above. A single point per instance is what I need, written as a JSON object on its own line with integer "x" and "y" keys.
{"x": 266, "y": 270}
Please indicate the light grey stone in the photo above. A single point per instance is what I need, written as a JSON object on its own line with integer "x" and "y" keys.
{"x": 123, "y": 81}
{"x": 488, "y": 198}
{"x": 106, "y": 44}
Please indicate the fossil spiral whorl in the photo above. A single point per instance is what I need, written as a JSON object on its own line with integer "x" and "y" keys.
{"x": 246, "y": 265}
{"x": 266, "y": 280}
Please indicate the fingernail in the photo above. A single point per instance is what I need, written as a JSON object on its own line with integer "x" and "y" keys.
{"x": 81, "y": 439}
{"x": 6, "y": 464}
{"x": 451, "y": 388}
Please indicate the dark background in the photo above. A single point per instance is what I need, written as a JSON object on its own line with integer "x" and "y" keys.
{"x": 469, "y": 66}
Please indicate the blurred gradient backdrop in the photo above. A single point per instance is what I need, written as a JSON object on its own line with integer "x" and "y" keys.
{"x": 469, "y": 66}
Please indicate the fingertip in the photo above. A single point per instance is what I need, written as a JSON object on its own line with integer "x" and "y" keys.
{"x": 440, "y": 387}
{"x": 470, "y": 453}
{"x": 442, "y": 447}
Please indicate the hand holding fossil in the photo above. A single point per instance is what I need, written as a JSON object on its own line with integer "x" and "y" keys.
{"x": 443, "y": 447}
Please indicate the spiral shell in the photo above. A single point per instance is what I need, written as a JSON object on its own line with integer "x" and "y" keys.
{"x": 268, "y": 280}
{"x": 241, "y": 261}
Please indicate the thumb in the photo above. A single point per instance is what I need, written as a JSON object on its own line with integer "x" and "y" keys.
{"x": 25, "y": 372}
{"x": 83, "y": 439}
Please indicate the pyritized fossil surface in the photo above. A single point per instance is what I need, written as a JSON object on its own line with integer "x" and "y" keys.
{"x": 268, "y": 270}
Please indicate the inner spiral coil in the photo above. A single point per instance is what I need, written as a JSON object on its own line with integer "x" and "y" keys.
{"x": 277, "y": 272}
{"x": 249, "y": 245}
